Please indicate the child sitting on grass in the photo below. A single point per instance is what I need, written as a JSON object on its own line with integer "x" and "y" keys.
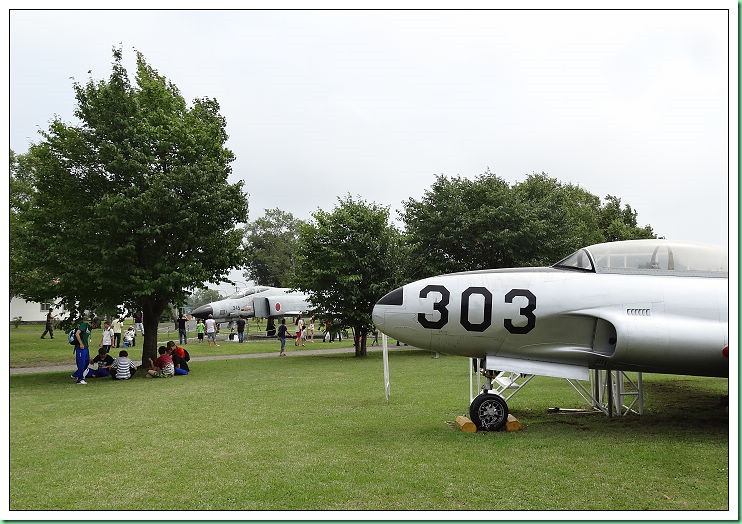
{"x": 163, "y": 367}
{"x": 104, "y": 361}
{"x": 129, "y": 337}
{"x": 123, "y": 368}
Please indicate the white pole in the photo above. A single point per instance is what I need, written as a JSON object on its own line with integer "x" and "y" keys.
{"x": 385, "y": 354}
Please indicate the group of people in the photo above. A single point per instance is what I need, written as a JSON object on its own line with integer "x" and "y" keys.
{"x": 205, "y": 329}
{"x": 303, "y": 332}
{"x": 112, "y": 333}
{"x": 173, "y": 359}
{"x": 120, "y": 368}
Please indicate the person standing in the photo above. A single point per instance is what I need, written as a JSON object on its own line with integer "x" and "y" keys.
{"x": 240, "y": 330}
{"x": 327, "y": 332}
{"x": 49, "y": 324}
{"x": 138, "y": 325}
{"x": 106, "y": 340}
{"x": 211, "y": 331}
{"x": 282, "y": 331}
{"x": 200, "y": 329}
{"x": 182, "y": 330}
{"x": 82, "y": 351}
{"x": 299, "y": 328}
{"x": 118, "y": 323}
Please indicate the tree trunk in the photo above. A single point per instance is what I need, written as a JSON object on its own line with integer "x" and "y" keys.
{"x": 151, "y": 311}
{"x": 359, "y": 340}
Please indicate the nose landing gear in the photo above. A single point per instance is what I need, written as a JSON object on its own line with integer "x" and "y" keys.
{"x": 489, "y": 412}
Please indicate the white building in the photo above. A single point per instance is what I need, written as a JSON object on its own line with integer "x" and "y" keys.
{"x": 32, "y": 311}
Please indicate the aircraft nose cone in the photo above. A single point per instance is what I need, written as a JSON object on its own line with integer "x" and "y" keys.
{"x": 378, "y": 317}
{"x": 203, "y": 311}
{"x": 394, "y": 298}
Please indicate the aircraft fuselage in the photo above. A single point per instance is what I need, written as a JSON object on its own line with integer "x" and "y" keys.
{"x": 665, "y": 324}
{"x": 259, "y": 301}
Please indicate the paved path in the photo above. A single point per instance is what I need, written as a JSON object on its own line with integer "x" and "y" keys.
{"x": 274, "y": 354}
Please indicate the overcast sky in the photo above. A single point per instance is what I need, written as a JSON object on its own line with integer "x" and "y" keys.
{"x": 320, "y": 104}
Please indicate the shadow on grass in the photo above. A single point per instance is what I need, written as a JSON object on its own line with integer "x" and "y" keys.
{"x": 674, "y": 408}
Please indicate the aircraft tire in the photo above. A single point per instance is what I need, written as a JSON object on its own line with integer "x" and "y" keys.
{"x": 489, "y": 412}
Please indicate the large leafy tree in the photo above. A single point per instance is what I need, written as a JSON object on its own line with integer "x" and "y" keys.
{"x": 451, "y": 225}
{"x": 21, "y": 197}
{"x": 132, "y": 206}
{"x": 462, "y": 224}
{"x": 270, "y": 247}
{"x": 346, "y": 261}
{"x": 619, "y": 223}
{"x": 552, "y": 221}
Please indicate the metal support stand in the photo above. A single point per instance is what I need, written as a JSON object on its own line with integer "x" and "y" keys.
{"x": 608, "y": 392}
{"x": 612, "y": 392}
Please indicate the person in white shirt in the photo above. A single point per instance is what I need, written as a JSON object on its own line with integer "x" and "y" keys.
{"x": 211, "y": 331}
{"x": 130, "y": 337}
{"x": 117, "y": 326}
{"x": 106, "y": 340}
{"x": 299, "y": 328}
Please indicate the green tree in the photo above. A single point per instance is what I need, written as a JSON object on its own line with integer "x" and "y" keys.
{"x": 346, "y": 261}
{"x": 557, "y": 219}
{"x": 270, "y": 247}
{"x": 132, "y": 206}
{"x": 617, "y": 223}
{"x": 462, "y": 224}
{"x": 21, "y": 195}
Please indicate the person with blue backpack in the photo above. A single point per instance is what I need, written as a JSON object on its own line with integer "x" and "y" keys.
{"x": 82, "y": 352}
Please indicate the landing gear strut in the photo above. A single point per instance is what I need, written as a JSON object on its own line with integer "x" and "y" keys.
{"x": 609, "y": 391}
{"x": 488, "y": 410}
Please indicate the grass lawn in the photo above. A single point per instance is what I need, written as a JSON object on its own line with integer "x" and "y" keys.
{"x": 315, "y": 433}
{"x": 28, "y": 350}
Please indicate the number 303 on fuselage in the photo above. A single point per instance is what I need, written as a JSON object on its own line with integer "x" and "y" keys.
{"x": 643, "y": 305}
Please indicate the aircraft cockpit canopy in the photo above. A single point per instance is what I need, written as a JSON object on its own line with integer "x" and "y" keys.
{"x": 653, "y": 257}
{"x": 247, "y": 291}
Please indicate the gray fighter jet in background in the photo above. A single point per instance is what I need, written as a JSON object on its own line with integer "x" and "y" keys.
{"x": 257, "y": 301}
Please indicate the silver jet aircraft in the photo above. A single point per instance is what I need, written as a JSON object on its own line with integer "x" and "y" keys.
{"x": 258, "y": 301}
{"x": 639, "y": 305}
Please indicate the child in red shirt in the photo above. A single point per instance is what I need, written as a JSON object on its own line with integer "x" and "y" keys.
{"x": 163, "y": 367}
